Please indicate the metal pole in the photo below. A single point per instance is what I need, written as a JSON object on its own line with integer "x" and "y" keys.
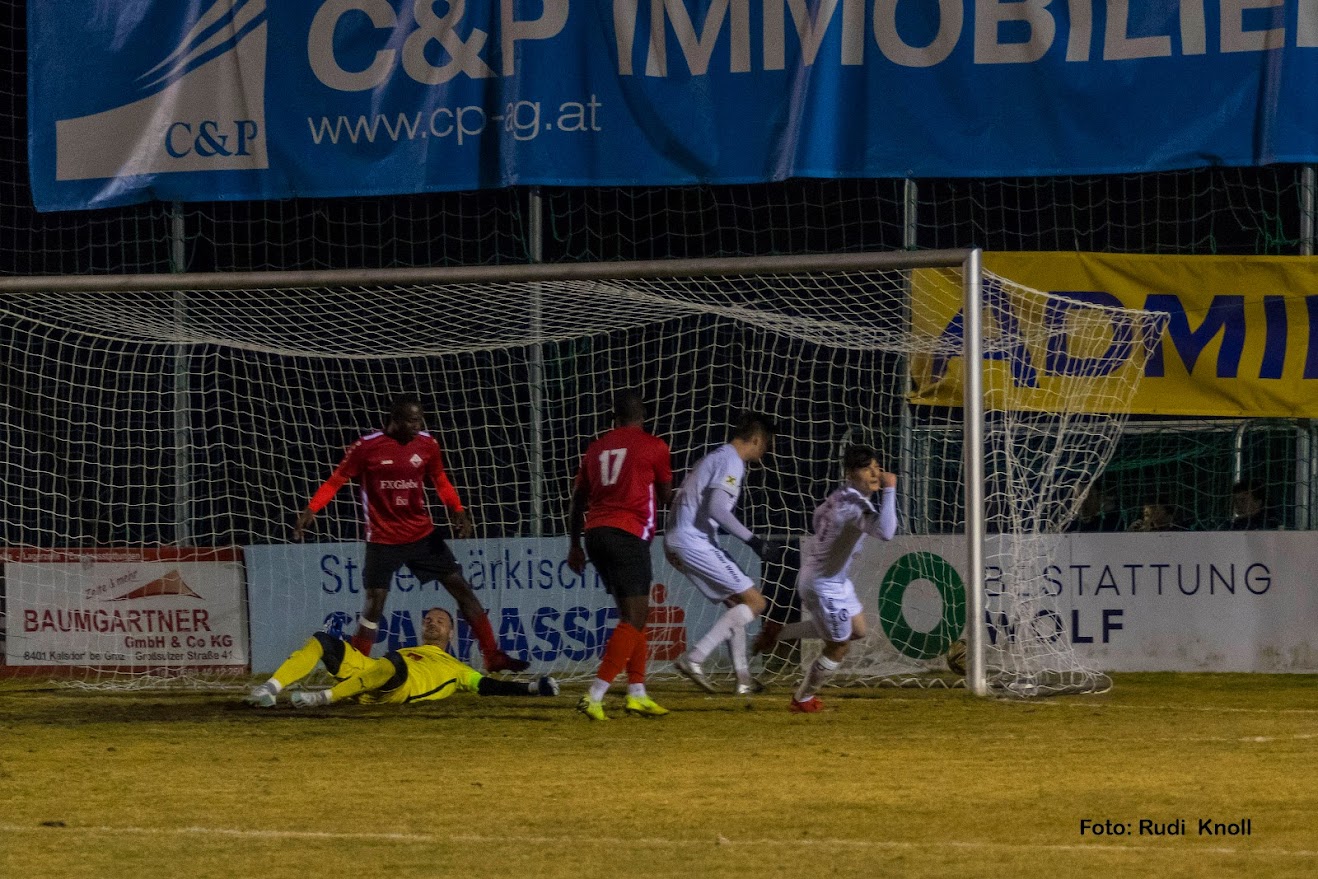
{"x": 906, "y": 439}
{"x": 182, "y": 386}
{"x": 1311, "y": 472}
{"x": 910, "y": 214}
{"x": 1304, "y": 476}
{"x": 1307, "y": 182}
{"x": 1307, "y": 463}
{"x": 1238, "y": 452}
{"x": 521, "y": 273}
{"x": 973, "y": 405}
{"x": 536, "y": 233}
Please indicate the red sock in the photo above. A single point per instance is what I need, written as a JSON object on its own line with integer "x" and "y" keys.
{"x": 480, "y": 626}
{"x": 364, "y": 640}
{"x": 618, "y": 652}
{"x": 636, "y": 662}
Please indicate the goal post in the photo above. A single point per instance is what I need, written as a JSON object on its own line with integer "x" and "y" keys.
{"x": 973, "y": 450}
{"x": 167, "y": 429}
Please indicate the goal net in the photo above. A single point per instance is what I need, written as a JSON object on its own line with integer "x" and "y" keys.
{"x": 162, "y": 442}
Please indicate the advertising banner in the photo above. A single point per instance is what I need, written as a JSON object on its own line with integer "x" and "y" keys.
{"x": 121, "y": 608}
{"x": 1224, "y": 601}
{"x": 201, "y": 100}
{"x": 538, "y": 607}
{"x": 1240, "y": 339}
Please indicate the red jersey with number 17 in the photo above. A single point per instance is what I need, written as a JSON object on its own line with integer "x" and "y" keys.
{"x": 393, "y": 492}
{"x": 619, "y": 472}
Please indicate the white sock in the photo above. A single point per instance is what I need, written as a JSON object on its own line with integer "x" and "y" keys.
{"x": 598, "y": 688}
{"x": 804, "y": 629}
{"x": 636, "y": 691}
{"x": 738, "y": 615}
{"x": 274, "y": 686}
{"x": 367, "y": 624}
{"x": 820, "y": 671}
{"x": 737, "y": 647}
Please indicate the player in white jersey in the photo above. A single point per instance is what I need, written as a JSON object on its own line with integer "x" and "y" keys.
{"x": 841, "y": 524}
{"x": 702, "y": 506}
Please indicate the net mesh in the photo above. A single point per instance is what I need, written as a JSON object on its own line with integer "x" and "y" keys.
{"x": 159, "y": 426}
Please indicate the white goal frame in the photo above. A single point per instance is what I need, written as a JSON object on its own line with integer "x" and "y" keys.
{"x": 970, "y": 262}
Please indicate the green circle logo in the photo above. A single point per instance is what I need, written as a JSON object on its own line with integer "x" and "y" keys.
{"x": 892, "y": 593}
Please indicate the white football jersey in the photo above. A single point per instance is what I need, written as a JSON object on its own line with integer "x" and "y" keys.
{"x": 721, "y": 470}
{"x": 840, "y": 525}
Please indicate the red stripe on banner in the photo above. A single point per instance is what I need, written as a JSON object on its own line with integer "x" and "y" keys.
{"x": 108, "y": 671}
{"x": 122, "y": 554}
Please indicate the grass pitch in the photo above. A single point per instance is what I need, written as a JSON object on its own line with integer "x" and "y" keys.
{"x": 888, "y": 783}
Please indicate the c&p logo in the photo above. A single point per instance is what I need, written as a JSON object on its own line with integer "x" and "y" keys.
{"x": 200, "y": 108}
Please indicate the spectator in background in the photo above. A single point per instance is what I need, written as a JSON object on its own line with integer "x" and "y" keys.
{"x": 1157, "y": 515}
{"x": 1248, "y": 510}
{"x": 1098, "y": 512}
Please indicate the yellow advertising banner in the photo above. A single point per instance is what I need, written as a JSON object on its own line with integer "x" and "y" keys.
{"x": 1239, "y": 336}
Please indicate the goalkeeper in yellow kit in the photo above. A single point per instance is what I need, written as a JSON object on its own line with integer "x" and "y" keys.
{"x": 413, "y": 674}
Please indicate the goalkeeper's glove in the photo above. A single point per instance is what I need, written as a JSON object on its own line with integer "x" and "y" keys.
{"x": 768, "y": 550}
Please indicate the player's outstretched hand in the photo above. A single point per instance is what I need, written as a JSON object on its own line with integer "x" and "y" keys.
{"x": 576, "y": 560}
{"x": 888, "y": 480}
{"x": 769, "y": 551}
{"x": 304, "y": 519}
{"x": 462, "y": 525}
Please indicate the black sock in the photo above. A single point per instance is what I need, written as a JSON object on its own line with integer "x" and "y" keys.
{"x": 495, "y": 687}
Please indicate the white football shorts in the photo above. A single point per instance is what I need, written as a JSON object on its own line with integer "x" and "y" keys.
{"x": 832, "y": 606}
{"x": 709, "y": 568}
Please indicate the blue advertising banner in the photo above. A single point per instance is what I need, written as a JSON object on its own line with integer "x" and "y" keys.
{"x": 540, "y": 610}
{"x": 191, "y": 100}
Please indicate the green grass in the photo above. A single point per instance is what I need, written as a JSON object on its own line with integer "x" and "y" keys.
{"x": 886, "y": 783}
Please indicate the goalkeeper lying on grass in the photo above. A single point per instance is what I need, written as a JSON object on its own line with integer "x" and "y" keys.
{"x": 412, "y": 674}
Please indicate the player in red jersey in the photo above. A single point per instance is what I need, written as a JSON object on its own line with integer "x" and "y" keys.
{"x": 392, "y": 466}
{"x": 624, "y": 477}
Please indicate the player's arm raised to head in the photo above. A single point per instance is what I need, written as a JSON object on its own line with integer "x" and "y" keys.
{"x": 883, "y": 524}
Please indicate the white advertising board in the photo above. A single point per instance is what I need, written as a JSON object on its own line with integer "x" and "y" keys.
{"x": 538, "y": 607}
{"x": 123, "y": 608}
{"x": 1226, "y": 601}
{"x": 1179, "y": 601}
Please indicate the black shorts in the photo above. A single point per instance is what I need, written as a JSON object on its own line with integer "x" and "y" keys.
{"x": 622, "y": 559}
{"x": 428, "y": 559}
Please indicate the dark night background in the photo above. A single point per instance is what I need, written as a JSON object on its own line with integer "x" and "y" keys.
{"x": 110, "y": 473}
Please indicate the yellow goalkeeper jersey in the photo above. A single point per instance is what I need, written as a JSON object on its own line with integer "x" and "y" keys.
{"x": 431, "y": 674}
